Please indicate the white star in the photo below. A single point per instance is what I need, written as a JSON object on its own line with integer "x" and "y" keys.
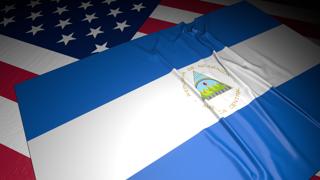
{"x": 8, "y": 8}
{"x": 138, "y": 7}
{"x": 114, "y": 12}
{"x": 6, "y": 21}
{"x": 35, "y": 29}
{"x": 121, "y": 26}
{"x": 85, "y": 5}
{"x": 100, "y": 48}
{"x": 33, "y": 3}
{"x": 66, "y": 38}
{"x": 33, "y": 15}
{"x": 95, "y": 32}
{"x": 63, "y": 23}
{"x": 108, "y": 1}
{"x": 89, "y": 18}
{"x": 61, "y": 10}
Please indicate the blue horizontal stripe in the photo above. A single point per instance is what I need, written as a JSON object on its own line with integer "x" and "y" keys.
{"x": 225, "y": 27}
{"x": 235, "y": 24}
{"x": 66, "y": 93}
{"x": 304, "y": 91}
{"x": 57, "y": 97}
{"x": 268, "y": 139}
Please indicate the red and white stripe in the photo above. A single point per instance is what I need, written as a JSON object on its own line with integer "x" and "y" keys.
{"x": 316, "y": 176}
{"x": 20, "y": 61}
{"x": 15, "y": 166}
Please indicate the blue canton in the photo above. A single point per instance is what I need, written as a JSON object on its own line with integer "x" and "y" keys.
{"x": 74, "y": 28}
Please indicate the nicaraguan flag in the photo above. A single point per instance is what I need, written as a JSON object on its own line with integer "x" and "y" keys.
{"x": 233, "y": 95}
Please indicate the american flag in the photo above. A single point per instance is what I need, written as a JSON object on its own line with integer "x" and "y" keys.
{"x": 39, "y": 36}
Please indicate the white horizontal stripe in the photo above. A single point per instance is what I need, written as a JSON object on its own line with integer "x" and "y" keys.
{"x": 318, "y": 173}
{"x": 30, "y": 57}
{"x": 120, "y": 138}
{"x": 173, "y": 15}
{"x": 11, "y": 130}
{"x": 138, "y": 35}
{"x": 278, "y": 55}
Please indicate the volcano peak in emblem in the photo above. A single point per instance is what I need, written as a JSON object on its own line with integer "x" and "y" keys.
{"x": 208, "y": 87}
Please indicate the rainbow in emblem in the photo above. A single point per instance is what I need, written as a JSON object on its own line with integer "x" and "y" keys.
{"x": 208, "y": 87}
